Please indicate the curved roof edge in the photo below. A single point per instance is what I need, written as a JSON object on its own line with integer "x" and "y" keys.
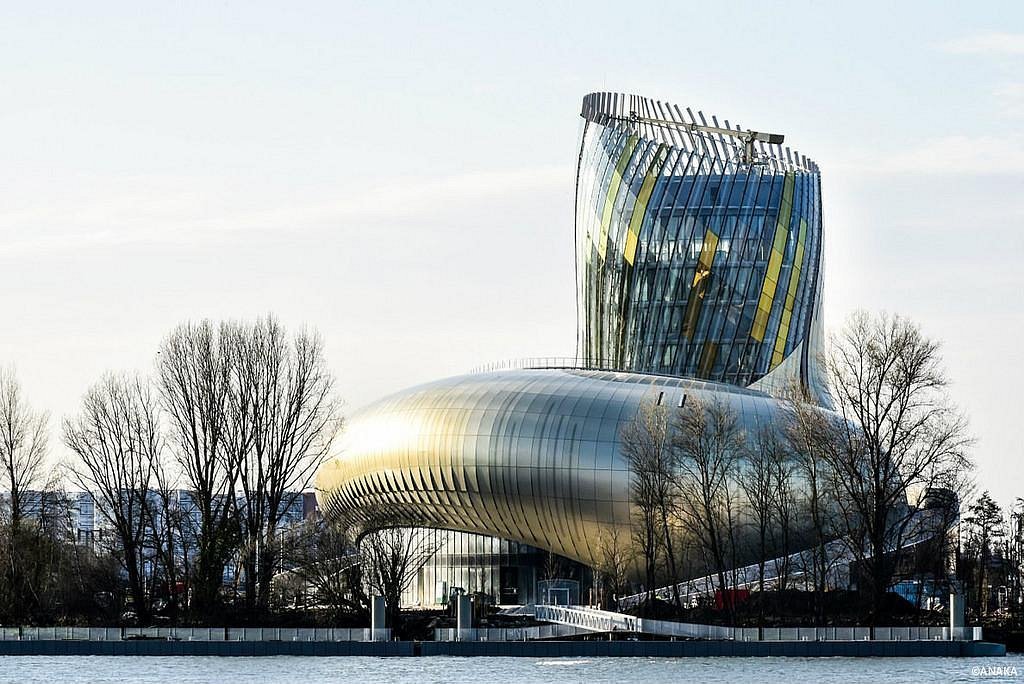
{"x": 604, "y": 107}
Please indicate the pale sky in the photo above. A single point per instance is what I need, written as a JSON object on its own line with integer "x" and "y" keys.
{"x": 400, "y": 175}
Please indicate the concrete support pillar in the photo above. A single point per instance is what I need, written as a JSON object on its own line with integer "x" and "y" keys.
{"x": 378, "y": 619}
{"x": 463, "y": 616}
{"x": 956, "y": 612}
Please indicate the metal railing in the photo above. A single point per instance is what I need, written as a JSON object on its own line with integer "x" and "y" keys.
{"x": 858, "y": 634}
{"x": 605, "y": 621}
{"x": 508, "y": 633}
{"x": 192, "y": 634}
{"x": 570, "y": 621}
{"x": 588, "y": 618}
{"x": 539, "y": 362}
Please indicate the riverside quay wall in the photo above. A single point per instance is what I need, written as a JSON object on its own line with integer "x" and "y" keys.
{"x": 529, "y": 649}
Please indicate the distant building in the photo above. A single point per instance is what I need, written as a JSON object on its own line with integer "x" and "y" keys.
{"x": 86, "y": 525}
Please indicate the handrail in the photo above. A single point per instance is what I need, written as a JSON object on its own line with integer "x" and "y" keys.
{"x": 193, "y": 633}
{"x": 606, "y": 621}
{"x": 546, "y": 362}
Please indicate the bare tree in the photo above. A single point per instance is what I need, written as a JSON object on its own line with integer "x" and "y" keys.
{"x": 554, "y": 567}
{"x": 613, "y": 568}
{"x": 757, "y": 479}
{"x": 171, "y": 536}
{"x": 38, "y": 584}
{"x": 282, "y": 419}
{"x": 194, "y": 377}
{"x": 707, "y": 441}
{"x": 1015, "y": 556}
{"x": 23, "y": 448}
{"x": 117, "y": 441}
{"x": 645, "y": 444}
{"x": 783, "y": 511}
{"x": 324, "y": 556}
{"x": 732, "y": 504}
{"x": 806, "y": 425}
{"x": 899, "y": 436}
{"x": 393, "y": 554}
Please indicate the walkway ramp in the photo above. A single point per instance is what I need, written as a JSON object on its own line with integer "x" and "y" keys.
{"x": 596, "y": 620}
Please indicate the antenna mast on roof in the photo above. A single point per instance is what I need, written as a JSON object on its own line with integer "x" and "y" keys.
{"x": 747, "y": 137}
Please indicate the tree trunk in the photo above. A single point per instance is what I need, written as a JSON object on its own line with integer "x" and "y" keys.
{"x": 669, "y": 551}
{"x": 136, "y": 588}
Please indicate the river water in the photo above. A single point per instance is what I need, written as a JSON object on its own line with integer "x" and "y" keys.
{"x": 356, "y": 670}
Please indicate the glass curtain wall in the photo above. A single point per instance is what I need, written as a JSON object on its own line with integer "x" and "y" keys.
{"x": 505, "y": 571}
{"x": 691, "y": 261}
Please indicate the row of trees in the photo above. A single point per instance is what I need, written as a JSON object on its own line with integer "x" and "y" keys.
{"x": 990, "y": 559}
{"x": 239, "y": 415}
{"x": 710, "y": 492}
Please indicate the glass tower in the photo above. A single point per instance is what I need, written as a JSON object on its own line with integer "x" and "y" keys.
{"x": 697, "y": 256}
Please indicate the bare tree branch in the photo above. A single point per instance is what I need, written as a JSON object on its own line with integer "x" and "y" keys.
{"x": 117, "y": 441}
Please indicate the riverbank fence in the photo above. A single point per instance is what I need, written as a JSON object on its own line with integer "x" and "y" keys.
{"x": 320, "y": 634}
{"x": 595, "y": 620}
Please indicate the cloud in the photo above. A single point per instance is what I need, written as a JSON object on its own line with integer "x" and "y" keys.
{"x": 990, "y": 43}
{"x": 155, "y": 214}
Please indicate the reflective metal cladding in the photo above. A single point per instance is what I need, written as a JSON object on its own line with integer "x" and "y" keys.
{"x": 698, "y": 273}
{"x": 528, "y": 455}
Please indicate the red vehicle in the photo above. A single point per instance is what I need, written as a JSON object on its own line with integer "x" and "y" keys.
{"x": 730, "y": 598}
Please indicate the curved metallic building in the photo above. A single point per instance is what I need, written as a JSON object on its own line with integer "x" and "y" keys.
{"x": 698, "y": 275}
{"x": 530, "y": 455}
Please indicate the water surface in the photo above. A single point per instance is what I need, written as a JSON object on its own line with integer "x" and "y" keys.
{"x": 356, "y": 670}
